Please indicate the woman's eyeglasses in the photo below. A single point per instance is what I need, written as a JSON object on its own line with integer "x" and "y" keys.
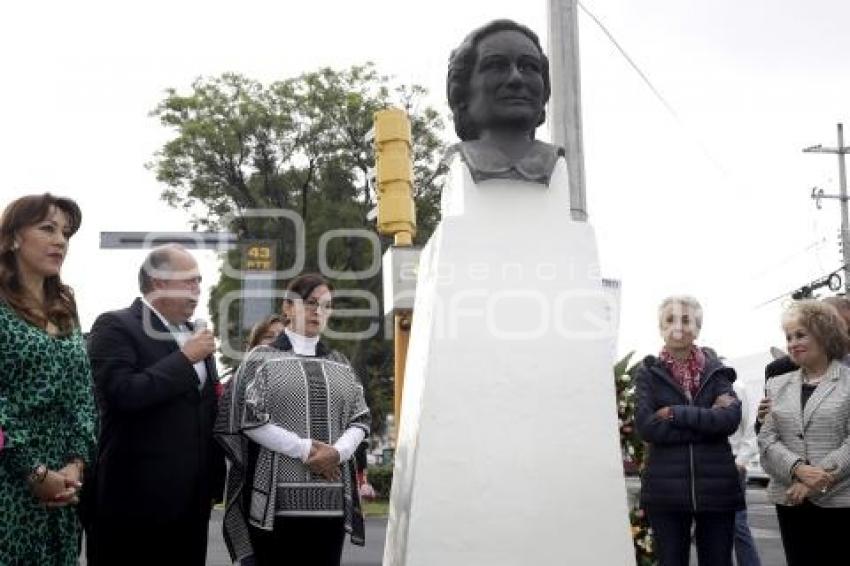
{"x": 314, "y": 305}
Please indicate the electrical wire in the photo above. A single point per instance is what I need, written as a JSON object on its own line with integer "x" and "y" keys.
{"x": 669, "y": 107}
{"x": 631, "y": 62}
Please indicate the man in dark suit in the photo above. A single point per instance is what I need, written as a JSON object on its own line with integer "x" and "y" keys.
{"x": 158, "y": 468}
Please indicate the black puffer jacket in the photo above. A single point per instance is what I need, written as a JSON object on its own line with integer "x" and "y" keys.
{"x": 690, "y": 466}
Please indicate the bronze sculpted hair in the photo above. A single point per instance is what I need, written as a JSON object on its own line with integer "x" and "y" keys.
{"x": 461, "y": 64}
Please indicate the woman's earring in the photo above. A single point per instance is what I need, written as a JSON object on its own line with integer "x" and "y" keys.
{"x": 15, "y": 246}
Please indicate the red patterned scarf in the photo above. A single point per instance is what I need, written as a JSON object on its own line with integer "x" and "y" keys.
{"x": 686, "y": 372}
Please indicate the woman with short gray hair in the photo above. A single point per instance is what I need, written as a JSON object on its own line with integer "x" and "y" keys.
{"x": 685, "y": 411}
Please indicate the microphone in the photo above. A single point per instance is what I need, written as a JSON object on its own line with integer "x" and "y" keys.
{"x": 201, "y": 325}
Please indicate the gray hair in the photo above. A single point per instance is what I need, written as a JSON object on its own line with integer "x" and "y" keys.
{"x": 686, "y": 301}
{"x": 158, "y": 260}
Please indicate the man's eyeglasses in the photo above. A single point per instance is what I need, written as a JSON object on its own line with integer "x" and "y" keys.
{"x": 315, "y": 305}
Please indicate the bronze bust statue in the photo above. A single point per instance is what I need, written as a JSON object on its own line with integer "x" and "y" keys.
{"x": 498, "y": 86}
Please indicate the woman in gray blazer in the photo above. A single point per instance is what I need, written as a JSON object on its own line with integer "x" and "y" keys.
{"x": 805, "y": 440}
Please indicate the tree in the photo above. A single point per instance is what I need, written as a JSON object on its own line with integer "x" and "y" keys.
{"x": 297, "y": 144}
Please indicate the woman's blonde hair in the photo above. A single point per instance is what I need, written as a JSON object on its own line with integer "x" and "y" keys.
{"x": 824, "y": 324}
{"x": 686, "y": 301}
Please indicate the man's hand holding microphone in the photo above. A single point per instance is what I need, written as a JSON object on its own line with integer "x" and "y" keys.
{"x": 201, "y": 344}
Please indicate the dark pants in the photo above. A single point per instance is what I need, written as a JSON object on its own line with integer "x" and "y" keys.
{"x": 299, "y": 541}
{"x": 714, "y": 534}
{"x": 811, "y": 534}
{"x": 746, "y": 553}
{"x": 120, "y": 542}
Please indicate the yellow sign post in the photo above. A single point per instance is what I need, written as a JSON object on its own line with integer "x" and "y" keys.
{"x": 396, "y": 216}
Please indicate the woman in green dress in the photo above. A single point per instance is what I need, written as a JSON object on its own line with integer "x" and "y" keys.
{"x": 47, "y": 410}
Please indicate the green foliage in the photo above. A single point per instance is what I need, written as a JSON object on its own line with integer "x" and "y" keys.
{"x": 381, "y": 478}
{"x": 632, "y": 447}
{"x": 376, "y": 508}
{"x": 297, "y": 144}
{"x": 634, "y": 452}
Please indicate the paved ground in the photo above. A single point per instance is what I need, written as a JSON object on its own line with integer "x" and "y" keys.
{"x": 765, "y": 529}
{"x": 762, "y": 518}
{"x": 370, "y": 555}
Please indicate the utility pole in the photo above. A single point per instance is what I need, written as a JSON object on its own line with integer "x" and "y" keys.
{"x": 841, "y": 151}
{"x": 565, "y": 101}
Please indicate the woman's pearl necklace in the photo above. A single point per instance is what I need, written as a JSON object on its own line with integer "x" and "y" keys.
{"x": 813, "y": 380}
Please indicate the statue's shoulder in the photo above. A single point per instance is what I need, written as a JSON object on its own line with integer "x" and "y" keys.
{"x": 487, "y": 161}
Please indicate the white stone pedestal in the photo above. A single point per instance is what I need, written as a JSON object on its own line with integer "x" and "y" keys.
{"x": 508, "y": 450}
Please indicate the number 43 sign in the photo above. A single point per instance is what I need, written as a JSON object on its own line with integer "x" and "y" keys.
{"x": 259, "y": 255}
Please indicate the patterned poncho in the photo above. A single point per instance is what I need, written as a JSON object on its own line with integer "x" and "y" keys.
{"x": 314, "y": 397}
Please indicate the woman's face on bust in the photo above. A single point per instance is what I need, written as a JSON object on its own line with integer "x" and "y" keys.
{"x": 309, "y": 317}
{"x": 803, "y": 347}
{"x": 506, "y": 87}
{"x": 678, "y": 324}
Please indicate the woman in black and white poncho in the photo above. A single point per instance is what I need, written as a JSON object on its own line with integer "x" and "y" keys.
{"x": 290, "y": 421}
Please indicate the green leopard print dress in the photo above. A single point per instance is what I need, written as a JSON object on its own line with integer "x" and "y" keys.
{"x": 47, "y": 414}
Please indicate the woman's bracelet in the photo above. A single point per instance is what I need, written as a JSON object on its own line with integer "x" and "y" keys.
{"x": 796, "y": 465}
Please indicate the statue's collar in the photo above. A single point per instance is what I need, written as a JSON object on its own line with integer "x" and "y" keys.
{"x": 486, "y": 160}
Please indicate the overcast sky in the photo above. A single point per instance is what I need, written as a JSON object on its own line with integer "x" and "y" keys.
{"x": 712, "y": 199}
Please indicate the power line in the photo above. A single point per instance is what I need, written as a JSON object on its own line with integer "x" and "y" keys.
{"x": 631, "y": 62}
{"x": 655, "y": 91}
{"x": 831, "y": 280}
{"x": 817, "y": 244}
